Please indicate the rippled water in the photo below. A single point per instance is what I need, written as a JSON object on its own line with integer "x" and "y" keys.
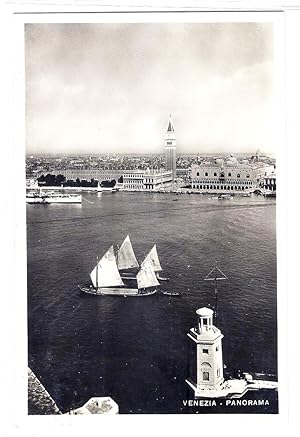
{"x": 136, "y": 349}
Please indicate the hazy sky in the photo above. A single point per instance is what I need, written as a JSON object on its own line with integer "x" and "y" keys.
{"x": 110, "y": 87}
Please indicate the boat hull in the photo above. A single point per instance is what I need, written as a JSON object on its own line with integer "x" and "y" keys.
{"x": 47, "y": 200}
{"x": 36, "y": 200}
{"x": 116, "y": 291}
{"x": 169, "y": 293}
{"x": 160, "y": 278}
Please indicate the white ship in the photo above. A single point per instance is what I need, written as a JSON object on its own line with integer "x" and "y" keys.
{"x": 118, "y": 273}
{"x": 48, "y": 198}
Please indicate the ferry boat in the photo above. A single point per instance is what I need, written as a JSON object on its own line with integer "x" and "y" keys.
{"x": 48, "y": 198}
{"x": 225, "y": 197}
{"x": 118, "y": 273}
{"x": 221, "y": 197}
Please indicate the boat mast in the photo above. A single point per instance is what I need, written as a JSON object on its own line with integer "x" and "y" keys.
{"x": 117, "y": 248}
{"x": 215, "y": 275}
{"x": 97, "y": 273}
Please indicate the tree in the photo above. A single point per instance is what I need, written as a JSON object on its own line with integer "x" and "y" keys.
{"x": 108, "y": 184}
{"x": 60, "y": 179}
{"x": 41, "y": 180}
{"x": 50, "y": 180}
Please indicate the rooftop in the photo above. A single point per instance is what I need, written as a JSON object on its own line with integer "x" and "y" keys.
{"x": 98, "y": 405}
{"x": 204, "y": 312}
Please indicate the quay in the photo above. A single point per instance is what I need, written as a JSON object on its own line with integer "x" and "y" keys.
{"x": 97, "y": 405}
{"x": 233, "y": 388}
{"x": 39, "y": 400}
{"x": 57, "y": 188}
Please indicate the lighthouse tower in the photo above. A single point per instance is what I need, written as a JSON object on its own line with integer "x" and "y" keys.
{"x": 170, "y": 149}
{"x": 206, "y": 361}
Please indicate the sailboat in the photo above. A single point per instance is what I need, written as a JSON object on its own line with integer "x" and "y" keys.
{"x": 126, "y": 259}
{"x": 106, "y": 278}
{"x": 152, "y": 257}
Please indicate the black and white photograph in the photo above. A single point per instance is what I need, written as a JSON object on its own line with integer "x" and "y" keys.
{"x": 151, "y": 163}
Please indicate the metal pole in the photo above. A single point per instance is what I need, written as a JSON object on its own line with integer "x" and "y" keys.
{"x": 216, "y": 296}
{"x": 97, "y": 274}
{"x": 213, "y": 276}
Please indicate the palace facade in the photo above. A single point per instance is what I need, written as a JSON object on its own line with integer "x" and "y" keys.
{"x": 228, "y": 176}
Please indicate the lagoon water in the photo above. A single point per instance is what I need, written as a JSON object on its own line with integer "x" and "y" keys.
{"x": 136, "y": 349}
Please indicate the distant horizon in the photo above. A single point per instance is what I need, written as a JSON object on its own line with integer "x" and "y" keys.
{"x": 78, "y": 154}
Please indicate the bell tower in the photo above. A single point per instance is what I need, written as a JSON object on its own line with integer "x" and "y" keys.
{"x": 206, "y": 360}
{"x": 170, "y": 149}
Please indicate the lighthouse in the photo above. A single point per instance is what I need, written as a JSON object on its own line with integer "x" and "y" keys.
{"x": 170, "y": 149}
{"x": 206, "y": 364}
{"x": 206, "y": 361}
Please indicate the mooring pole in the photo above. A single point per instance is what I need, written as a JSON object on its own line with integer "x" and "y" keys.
{"x": 216, "y": 296}
{"x": 216, "y": 275}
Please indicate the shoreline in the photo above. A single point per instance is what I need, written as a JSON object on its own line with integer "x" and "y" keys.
{"x": 121, "y": 190}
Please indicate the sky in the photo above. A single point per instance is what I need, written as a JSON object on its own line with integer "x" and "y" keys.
{"x": 110, "y": 87}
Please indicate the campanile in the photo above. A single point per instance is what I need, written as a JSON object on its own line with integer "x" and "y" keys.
{"x": 170, "y": 149}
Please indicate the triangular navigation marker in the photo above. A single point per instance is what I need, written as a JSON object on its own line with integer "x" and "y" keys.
{"x": 215, "y": 275}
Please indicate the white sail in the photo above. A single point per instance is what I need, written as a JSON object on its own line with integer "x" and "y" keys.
{"x": 125, "y": 257}
{"x": 106, "y": 273}
{"x": 154, "y": 260}
{"x": 146, "y": 276}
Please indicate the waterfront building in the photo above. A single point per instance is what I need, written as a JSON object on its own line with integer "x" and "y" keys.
{"x": 93, "y": 173}
{"x": 227, "y": 176}
{"x": 146, "y": 180}
{"x": 32, "y": 183}
{"x": 133, "y": 180}
{"x": 268, "y": 184}
{"x": 170, "y": 149}
{"x": 183, "y": 173}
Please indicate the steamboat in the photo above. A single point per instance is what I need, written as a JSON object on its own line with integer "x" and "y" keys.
{"x": 42, "y": 198}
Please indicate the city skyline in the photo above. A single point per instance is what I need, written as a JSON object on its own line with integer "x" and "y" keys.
{"x": 109, "y": 88}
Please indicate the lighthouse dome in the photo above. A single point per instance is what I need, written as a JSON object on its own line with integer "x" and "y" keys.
{"x": 204, "y": 312}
